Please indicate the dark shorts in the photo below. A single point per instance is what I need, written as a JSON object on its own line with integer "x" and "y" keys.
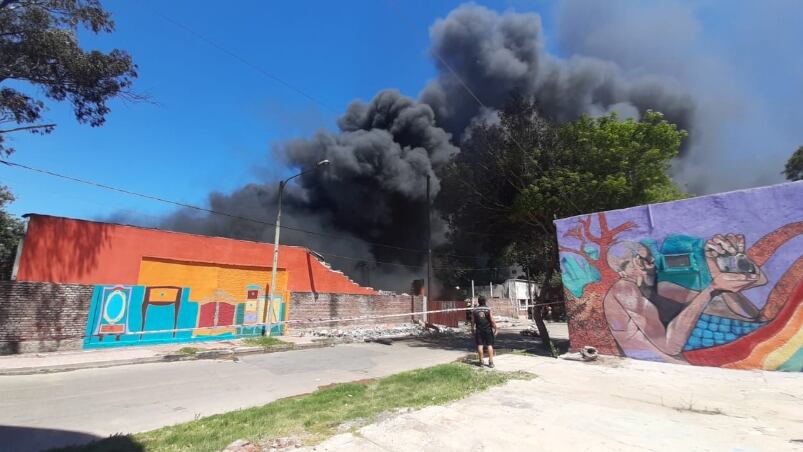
{"x": 483, "y": 337}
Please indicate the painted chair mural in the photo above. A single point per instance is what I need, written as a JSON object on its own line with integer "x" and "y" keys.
{"x": 724, "y": 299}
{"x": 202, "y": 302}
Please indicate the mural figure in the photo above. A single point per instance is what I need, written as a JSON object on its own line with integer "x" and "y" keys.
{"x": 679, "y": 298}
{"x": 633, "y": 305}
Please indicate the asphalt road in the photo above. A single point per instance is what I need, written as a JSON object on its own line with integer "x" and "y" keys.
{"x": 41, "y": 411}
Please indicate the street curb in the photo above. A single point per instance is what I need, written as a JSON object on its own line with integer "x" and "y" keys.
{"x": 168, "y": 358}
{"x": 205, "y": 354}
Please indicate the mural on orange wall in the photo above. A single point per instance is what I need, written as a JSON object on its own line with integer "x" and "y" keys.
{"x": 708, "y": 294}
{"x": 202, "y": 301}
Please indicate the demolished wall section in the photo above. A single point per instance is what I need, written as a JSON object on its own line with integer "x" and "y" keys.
{"x": 311, "y": 308}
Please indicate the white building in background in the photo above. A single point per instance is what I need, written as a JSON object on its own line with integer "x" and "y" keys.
{"x": 513, "y": 289}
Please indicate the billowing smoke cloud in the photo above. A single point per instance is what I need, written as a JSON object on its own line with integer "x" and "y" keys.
{"x": 374, "y": 192}
{"x": 494, "y": 54}
{"x": 743, "y": 74}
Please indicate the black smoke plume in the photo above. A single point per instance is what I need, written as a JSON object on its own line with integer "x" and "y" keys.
{"x": 373, "y": 194}
{"x": 494, "y": 54}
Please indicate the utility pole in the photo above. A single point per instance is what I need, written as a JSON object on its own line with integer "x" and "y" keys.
{"x": 529, "y": 296}
{"x": 268, "y": 311}
{"x": 429, "y": 252}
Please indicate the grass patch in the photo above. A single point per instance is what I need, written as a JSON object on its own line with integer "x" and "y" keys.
{"x": 315, "y": 416}
{"x": 264, "y": 341}
{"x": 192, "y": 351}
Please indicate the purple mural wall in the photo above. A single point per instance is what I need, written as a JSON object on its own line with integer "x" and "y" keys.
{"x": 715, "y": 280}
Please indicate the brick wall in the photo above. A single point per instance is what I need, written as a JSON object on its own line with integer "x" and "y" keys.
{"x": 313, "y": 306}
{"x": 37, "y": 317}
{"x": 504, "y": 307}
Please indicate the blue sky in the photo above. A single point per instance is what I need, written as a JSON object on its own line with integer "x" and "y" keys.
{"x": 213, "y": 120}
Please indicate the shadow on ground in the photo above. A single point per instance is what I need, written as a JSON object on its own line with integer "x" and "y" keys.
{"x": 505, "y": 342}
{"x": 29, "y": 439}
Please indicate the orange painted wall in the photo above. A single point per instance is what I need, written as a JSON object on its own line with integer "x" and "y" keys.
{"x": 66, "y": 250}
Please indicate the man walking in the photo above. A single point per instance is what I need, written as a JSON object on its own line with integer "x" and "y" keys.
{"x": 483, "y": 328}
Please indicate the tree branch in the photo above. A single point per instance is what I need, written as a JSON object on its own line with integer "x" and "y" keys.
{"x": 622, "y": 228}
{"x": 17, "y": 129}
{"x": 566, "y": 249}
{"x": 587, "y": 230}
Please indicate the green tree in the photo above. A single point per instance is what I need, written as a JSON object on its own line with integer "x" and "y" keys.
{"x": 40, "y": 57}
{"x": 11, "y": 230}
{"x": 513, "y": 178}
{"x": 794, "y": 166}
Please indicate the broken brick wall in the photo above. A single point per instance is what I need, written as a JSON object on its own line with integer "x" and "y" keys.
{"x": 503, "y": 307}
{"x": 309, "y": 306}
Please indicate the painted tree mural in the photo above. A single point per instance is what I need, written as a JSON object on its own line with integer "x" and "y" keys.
{"x": 586, "y": 309}
{"x": 714, "y": 281}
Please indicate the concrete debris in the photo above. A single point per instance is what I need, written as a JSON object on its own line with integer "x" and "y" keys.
{"x": 586, "y": 353}
{"x": 531, "y": 330}
{"x": 374, "y": 332}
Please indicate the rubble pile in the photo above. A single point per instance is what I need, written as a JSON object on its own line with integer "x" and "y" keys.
{"x": 374, "y": 332}
{"x": 532, "y": 330}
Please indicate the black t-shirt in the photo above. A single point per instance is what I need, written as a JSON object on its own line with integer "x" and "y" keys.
{"x": 482, "y": 318}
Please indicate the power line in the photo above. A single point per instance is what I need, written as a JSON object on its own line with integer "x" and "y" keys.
{"x": 307, "y": 96}
{"x": 190, "y": 206}
{"x": 244, "y": 61}
{"x": 238, "y": 217}
{"x": 398, "y": 264}
{"x": 482, "y": 104}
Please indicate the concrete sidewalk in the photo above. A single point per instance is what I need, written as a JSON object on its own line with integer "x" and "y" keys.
{"x": 617, "y": 404}
{"x": 38, "y": 363}
{"x": 34, "y": 363}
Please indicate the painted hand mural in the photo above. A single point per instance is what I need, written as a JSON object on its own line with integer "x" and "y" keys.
{"x": 682, "y": 298}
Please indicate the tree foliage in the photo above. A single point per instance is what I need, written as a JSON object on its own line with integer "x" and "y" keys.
{"x": 39, "y": 52}
{"x": 11, "y": 231}
{"x": 514, "y": 177}
{"x": 794, "y": 166}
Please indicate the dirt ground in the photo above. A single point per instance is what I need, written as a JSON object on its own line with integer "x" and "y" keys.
{"x": 613, "y": 404}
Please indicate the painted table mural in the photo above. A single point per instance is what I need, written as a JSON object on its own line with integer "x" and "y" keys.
{"x": 184, "y": 301}
{"x": 715, "y": 280}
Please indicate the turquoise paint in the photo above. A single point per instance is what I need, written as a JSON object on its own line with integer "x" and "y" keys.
{"x": 794, "y": 363}
{"x": 682, "y": 262}
{"x": 278, "y": 330}
{"x": 577, "y": 273}
{"x": 592, "y": 252}
{"x": 158, "y": 318}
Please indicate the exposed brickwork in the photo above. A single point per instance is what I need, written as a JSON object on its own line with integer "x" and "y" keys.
{"x": 503, "y": 307}
{"x": 316, "y": 306}
{"x": 38, "y": 317}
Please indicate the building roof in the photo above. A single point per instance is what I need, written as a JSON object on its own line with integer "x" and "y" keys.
{"x": 67, "y": 250}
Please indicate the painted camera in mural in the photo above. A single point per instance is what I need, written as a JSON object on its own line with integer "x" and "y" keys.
{"x": 736, "y": 263}
{"x": 708, "y": 296}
